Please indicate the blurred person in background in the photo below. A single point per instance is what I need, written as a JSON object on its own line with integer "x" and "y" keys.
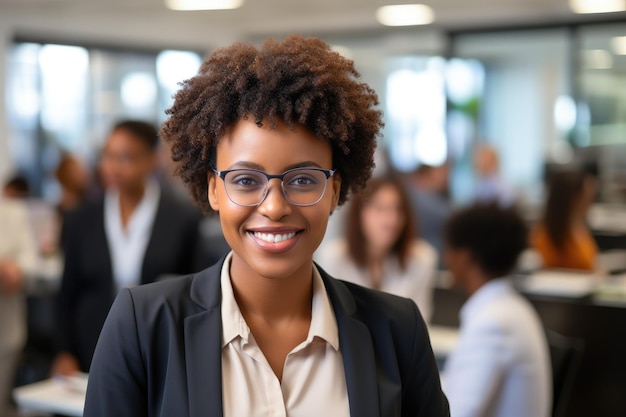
{"x": 135, "y": 234}
{"x": 501, "y": 365}
{"x": 490, "y": 185}
{"x": 73, "y": 178}
{"x": 380, "y": 250}
{"x": 16, "y": 187}
{"x": 18, "y": 261}
{"x": 562, "y": 238}
{"x": 427, "y": 189}
{"x": 44, "y": 228}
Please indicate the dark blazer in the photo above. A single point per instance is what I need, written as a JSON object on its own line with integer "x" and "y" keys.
{"x": 160, "y": 352}
{"x": 88, "y": 288}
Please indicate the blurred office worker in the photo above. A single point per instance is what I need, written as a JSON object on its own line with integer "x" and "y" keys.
{"x": 501, "y": 366}
{"x": 18, "y": 261}
{"x": 563, "y": 238}
{"x": 73, "y": 179}
{"x": 135, "y": 234}
{"x": 490, "y": 184}
{"x": 427, "y": 187}
{"x": 380, "y": 250}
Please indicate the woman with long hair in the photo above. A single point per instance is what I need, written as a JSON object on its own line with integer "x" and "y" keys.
{"x": 380, "y": 249}
{"x": 562, "y": 238}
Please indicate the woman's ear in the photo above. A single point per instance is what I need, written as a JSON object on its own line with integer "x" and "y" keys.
{"x": 212, "y": 191}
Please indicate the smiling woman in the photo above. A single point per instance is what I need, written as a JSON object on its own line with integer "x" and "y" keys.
{"x": 273, "y": 139}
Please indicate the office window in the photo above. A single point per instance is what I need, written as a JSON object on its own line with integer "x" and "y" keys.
{"x": 601, "y": 110}
{"x": 526, "y": 77}
{"x": 64, "y": 98}
{"x": 416, "y": 112}
{"x": 602, "y": 61}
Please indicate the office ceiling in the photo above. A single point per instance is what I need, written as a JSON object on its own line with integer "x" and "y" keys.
{"x": 262, "y": 17}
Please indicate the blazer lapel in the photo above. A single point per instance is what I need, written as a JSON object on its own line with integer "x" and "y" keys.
{"x": 355, "y": 342}
{"x": 203, "y": 342}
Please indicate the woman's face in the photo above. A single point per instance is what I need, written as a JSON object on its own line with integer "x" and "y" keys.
{"x": 126, "y": 162}
{"x": 251, "y": 231}
{"x": 382, "y": 219}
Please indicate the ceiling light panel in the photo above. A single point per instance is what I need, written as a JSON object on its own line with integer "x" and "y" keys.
{"x": 405, "y": 15}
{"x": 597, "y": 6}
{"x": 203, "y": 4}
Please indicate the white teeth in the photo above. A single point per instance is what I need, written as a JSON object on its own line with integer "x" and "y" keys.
{"x": 274, "y": 238}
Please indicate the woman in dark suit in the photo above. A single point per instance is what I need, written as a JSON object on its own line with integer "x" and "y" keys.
{"x": 161, "y": 232}
{"x": 273, "y": 139}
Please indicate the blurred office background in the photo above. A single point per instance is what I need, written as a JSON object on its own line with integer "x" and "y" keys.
{"x": 538, "y": 81}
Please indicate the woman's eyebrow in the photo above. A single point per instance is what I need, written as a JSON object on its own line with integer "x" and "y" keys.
{"x": 246, "y": 164}
{"x": 253, "y": 165}
{"x": 305, "y": 164}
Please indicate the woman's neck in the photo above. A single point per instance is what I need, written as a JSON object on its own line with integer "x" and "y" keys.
{"x": 376, "y": 255}
{"x": 272, "y": 299}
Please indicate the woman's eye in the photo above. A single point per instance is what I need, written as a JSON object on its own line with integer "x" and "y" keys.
{"x": 245, "y": 181}
{"x": 303, "y": 180}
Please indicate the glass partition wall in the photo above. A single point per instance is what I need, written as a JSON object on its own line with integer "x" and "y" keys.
{"x": 601, "y": 122}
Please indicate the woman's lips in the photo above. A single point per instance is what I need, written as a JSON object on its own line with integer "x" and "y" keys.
{"x": 278, "y": 241}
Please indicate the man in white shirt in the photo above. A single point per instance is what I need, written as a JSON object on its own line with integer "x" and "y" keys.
{"x": 501, "y": 366}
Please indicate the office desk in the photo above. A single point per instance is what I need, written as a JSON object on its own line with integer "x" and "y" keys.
{"x": 51, "y": 396}
{"x": 600, "y": 389}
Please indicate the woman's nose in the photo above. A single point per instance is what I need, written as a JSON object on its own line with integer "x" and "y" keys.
{"x": 275, "y": 205}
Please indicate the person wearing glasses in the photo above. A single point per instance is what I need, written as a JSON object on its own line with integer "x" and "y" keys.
{"x": 273, "y": 139}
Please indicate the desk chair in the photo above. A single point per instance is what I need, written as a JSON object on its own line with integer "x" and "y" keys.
{"x": 566, "y": 354}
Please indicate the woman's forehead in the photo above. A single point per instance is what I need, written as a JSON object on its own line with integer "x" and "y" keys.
{"x": 266, "y": 147}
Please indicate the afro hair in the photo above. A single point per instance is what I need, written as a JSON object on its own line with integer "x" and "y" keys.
{"x": 299, "y": 81}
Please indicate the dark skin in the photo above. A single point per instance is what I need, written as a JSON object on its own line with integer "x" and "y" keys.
{"x": 279, "y": 316}
{"x": 273, "y": 281}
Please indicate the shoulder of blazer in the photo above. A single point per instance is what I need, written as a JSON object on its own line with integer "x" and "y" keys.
{"x": 363, "y": 302}
{"x": 188, "y": 293}
{"x": 389, "y": 325}
{"x": 372, "y": 308}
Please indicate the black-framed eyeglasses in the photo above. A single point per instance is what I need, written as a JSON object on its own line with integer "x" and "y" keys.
{"x": 301, "y": 186}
